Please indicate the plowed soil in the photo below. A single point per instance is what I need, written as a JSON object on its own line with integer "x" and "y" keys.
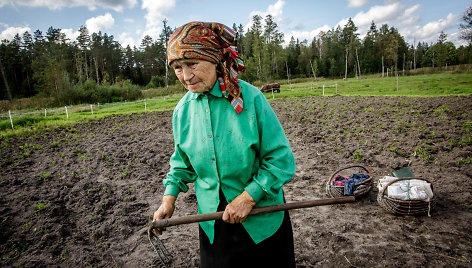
{"x": 83, "y": 196}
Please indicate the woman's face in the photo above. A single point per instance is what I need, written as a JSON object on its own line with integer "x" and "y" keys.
{"x": 197, "y": 76}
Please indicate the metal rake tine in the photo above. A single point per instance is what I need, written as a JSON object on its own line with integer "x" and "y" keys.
{"x": 159, "y": 247}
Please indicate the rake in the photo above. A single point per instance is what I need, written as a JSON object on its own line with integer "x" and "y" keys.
{"x": 166, "y": 258}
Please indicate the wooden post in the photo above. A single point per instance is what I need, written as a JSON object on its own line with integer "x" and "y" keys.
{"x": 403, "y": 64}
{"x": 313, "y": 70}
{"x": 358, "y": 65}
{"x": 288, "y": 75}
{"x": 383, "y": 66}
{"x": 345, "y": 73}
{"x": 414, "y": 54}
{"x": 11, "y": 121}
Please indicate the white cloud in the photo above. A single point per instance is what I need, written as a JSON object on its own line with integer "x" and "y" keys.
{"x": 126, "y": 39}
{"x": 409, "y": 17}
{"x": 152, "y": 32}
{"x": 392, "y": 14}
{"x": 456, "y": 39}
{"x": 129, "y": 20}
{"x": 156, "y": 10}
{"x": 275, "y": 10}
{"x": 10, "y": 32}
{"x": 70, "y": 34}
{"x": 99, "y": 23}
{"x": 430, "y": 31}
{"x": 305, "y": 35}
{"x": 379, "y": 14}
{"x": 117, "y": 5}
{"x": 357, "y": 3}
{"x": 405, "y": 19}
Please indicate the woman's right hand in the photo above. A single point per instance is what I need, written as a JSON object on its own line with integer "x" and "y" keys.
{"x": 165, "y": 210}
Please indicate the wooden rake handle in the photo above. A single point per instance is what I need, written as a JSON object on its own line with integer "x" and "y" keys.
{"x": 258, "y": 210}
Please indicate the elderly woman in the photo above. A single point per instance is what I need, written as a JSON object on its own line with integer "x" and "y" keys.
{"x": 230, "y": 144}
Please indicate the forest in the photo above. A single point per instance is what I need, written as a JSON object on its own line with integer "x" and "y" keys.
{"x": 97, "y": 68}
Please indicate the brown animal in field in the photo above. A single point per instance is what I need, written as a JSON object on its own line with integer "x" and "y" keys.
{"x": 275, "y": 87}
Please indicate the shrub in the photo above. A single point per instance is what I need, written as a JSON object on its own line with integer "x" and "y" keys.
{"x": 156, "y": 81}
{"x": 90, "y": 92}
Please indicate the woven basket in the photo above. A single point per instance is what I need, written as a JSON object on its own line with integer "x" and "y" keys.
{"x": 405, "y": 207}
{"x": 338, "y": 191}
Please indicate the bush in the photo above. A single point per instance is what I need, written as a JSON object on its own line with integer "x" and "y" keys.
{"x": 162, "y": 91}
{"x": 156, "y": 81}
{"x": 90, "y": 92}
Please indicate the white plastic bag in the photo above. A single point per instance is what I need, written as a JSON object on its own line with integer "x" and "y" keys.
{"x": 407, "y": 189}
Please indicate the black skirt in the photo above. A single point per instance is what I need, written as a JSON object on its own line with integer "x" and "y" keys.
{"x": 233, "y": 247}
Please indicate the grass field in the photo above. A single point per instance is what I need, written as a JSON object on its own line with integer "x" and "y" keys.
{"x": 372, "y": 85}
{"x": 446, "y": 83}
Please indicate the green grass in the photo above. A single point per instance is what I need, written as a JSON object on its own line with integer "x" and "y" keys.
{"x": 430, "y": 85}
{"x": 28, "y": 122}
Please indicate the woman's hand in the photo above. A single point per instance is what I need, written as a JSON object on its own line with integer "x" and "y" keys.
{"x": 165, "y": 210}
{"x": 238, "y": 210}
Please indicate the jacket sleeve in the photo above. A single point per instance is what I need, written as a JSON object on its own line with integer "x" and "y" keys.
{"x": 277, "y": 163}
{"x": 181, "y": 171}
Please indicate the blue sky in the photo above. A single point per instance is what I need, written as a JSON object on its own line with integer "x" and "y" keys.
{"x": 129, "y": 20}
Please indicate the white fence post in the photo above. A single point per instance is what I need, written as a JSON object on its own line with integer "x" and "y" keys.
{"x": 44, "y": 113}
{"x": 67, "y": 112}
{"x": 91, "y": 108}
{"x": 323, "y": 90}
{"x": 11, "y": 121}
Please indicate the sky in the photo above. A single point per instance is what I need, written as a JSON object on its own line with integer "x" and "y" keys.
{"x": 130, "y": 20}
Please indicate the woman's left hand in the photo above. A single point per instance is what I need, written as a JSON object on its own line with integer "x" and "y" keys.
{"x": 238, "y": 210}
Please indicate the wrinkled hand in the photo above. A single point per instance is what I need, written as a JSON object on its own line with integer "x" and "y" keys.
{"x": 165, "y": 210}
{"x": 238, "y": 210}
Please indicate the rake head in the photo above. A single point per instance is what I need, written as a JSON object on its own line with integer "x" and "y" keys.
{"x": 159, "y": 248}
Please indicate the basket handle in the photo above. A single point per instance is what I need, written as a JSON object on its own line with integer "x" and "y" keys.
{"x": 341, "y": 169}
{"x": 402, "y": 179}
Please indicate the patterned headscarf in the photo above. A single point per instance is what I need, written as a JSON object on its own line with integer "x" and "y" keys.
{"x": 213, "y": 42}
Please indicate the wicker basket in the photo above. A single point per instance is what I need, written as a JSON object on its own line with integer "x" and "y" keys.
{"x": 338, "y": 191}
{"x": 405, "y": 207}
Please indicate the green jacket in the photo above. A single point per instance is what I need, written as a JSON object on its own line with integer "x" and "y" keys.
{"x": 217, "y": 148}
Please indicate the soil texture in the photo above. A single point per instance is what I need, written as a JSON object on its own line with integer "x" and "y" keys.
{"x": 83, "y": 196}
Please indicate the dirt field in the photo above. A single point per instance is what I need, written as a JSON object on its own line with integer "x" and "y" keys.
{"x": 83, "y": 196}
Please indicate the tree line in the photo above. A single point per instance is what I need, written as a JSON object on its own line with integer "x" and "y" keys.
{"x": 96, "y": 67}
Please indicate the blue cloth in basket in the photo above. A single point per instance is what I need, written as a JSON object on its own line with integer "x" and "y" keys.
{"x": 350, "y": 185}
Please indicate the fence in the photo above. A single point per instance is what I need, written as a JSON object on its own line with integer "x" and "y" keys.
{"x": 313, "y": 86}
{"x": 89, "y": 109}
{"x": 324, "y": 86}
